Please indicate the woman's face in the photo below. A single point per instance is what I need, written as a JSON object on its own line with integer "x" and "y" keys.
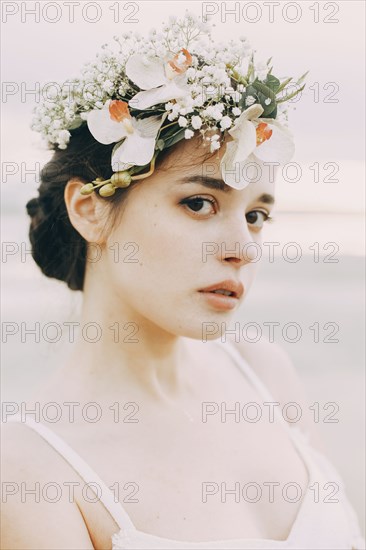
{"x": 177, "y": 236}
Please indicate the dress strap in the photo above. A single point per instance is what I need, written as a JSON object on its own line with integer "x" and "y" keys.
{"x": 106, "y": 496}
{"x": 253, "y": 378}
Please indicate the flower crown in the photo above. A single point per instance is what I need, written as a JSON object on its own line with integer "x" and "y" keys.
{"x": 154, "y": 92}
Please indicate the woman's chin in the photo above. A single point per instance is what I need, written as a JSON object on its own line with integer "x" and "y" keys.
{"x": 209, "y": 328}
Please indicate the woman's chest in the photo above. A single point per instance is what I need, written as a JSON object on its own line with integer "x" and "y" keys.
{"x": 203, "y": 481}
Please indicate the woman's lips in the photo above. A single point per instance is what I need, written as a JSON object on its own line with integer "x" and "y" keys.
{"x": 220, "y": 301}
{"x": 236, "y": 288}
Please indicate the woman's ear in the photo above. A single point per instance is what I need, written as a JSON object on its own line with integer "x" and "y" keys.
{"x": 86, "y": 212}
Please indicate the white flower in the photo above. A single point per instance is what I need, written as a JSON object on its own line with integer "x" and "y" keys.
{"x": 64, "y": 135}
{"x": 196, "y": 122}
{"x": 234, "y": 94}
{"x": 249, "y": 100}
{"x": 254, "y": 138}
{"x": 191, "y": 72}
{"x": 108, "y": 86}
{"x": 159, "y": 81}
{"x": 198, "y": 101}
{"x": 244, "y": 66}
{"x": 214, "y": 146}
{"x": 188, "y": 134}
{"x": 261, "y": 70}
{"x": 114, "y": 123}
{"x": 213, "y": 111}
{"x": 182, "y": 121}
{"x": 225, "y": 122}
{"x": 216, "y": 114}
{"x": 159, "y": 70}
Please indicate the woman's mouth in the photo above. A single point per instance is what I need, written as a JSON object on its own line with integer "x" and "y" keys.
{"x": 224, "y": 295}
{"x": 219, "y": 300}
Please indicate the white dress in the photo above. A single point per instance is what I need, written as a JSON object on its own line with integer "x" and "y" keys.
{"x": 318, "y": 525}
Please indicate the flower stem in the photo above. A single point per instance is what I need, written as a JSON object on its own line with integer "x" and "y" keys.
{"x": 146, "y": 174}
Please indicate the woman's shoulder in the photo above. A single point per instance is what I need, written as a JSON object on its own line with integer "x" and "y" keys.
{"x": 33, "y": 494}
{"x": 27, "y": 458}
{"x": 275, "y": 368}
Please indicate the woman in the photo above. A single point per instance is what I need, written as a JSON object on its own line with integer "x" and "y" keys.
{"x": 164, "y": 258}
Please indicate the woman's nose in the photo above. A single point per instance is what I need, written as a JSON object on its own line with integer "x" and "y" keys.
{"x": 239, "y": 247}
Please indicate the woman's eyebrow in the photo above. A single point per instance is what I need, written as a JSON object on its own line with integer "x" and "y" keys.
{"x": 266, "y": 198}
{"x": 218, "y": 184}
{"x": 212, "y": 183}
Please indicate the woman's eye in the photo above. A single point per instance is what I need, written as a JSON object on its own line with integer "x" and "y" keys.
{"x": 199, "y": 205}
{"x": 205, "y": 206}
{"x": 256, "y": 218}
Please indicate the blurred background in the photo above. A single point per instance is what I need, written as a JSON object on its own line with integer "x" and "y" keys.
{"x": 320, "y": 200}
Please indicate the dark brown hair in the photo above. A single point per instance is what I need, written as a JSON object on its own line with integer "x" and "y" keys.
{"x": 57, "y": 248}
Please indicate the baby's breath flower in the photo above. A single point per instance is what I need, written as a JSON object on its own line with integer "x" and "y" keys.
{"x": 64, "y": 135}
{"x": 182, "y": 121}
{"x": 213, "y": 81}
{"x": 225, "y": 122}
{"x": 196, "y": 122}
{"x": 249, "y": 100}
{"x": 191, "y": 72}
{"x": 214, "y": 146}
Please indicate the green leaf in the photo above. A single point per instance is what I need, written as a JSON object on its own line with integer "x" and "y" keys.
{"x": 268, "y": 109}
{"x": 290, "y": 96}
{"x": 138, "y": 168}
{"x": 265, "y": 90}
{"x": 78, "y": 121}
{"x": 250, "y": 90}
{"x": 283, "y": 84}
{"x": 250, "y": 70}
{"x": 269, "y": 113}
{"x": 174, "y": 138}
{"x": 168, "y": 132}
{"x": 299, "y": 80}
{"x": 272, "y": 82}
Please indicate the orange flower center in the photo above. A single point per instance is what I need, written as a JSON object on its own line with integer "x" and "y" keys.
{"x": 180, "y": 68}
{"x": 118, "y": 110}
{"x": 263, "y": 132}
